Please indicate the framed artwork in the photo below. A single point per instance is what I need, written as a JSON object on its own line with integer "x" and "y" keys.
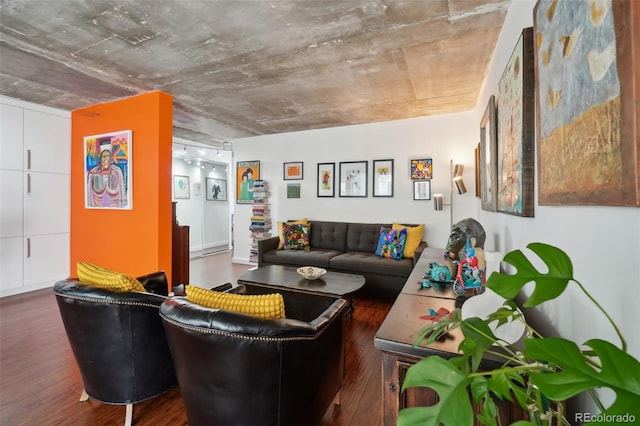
{"x": 247, "y": 172}
{"x": 293, "y": 171}
{"x": 383, "y": 178}
{"x": 326, "y": 179}
{"x": 488, "y": 155}
{"x": 293, "y": 190}
{"x": 197, "y": 188}
{"x": 421, "y": 169}
{"x": 353, "y": 178}
{"x": 181, "y": 187}
{"x": 515, "y": 130}
{"x": 588, "y": 129}
{"x": 422, "y": 190}
{"x": 476, "y": 155}
{"x": 216, "y": 189}
{"x": 107, "y": 170}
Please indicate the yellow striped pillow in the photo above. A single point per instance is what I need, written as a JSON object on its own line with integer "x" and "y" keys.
{"x": 98, "y": 276}
{"x": 264, "y": 306}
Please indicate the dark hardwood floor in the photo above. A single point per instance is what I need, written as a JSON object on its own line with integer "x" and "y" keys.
{"x": 40, "y": 383}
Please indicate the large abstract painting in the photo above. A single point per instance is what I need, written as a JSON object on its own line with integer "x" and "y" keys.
{"x": 587, "y": 66}
{"x": 516, "y": 118}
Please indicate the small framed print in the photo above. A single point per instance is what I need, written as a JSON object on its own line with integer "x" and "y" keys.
{"x": 181, "y": 187}
{"x": 293, "y": 171}
{"x": 383, "y": 178}
{"x": 216, "y": 189}
{"x": 293, "y": 190}
{"x": 326, "y": 179}
{"x": 422, "y": 190}
{"x": 353, "y": 178}
{"x": 422, "y": 169}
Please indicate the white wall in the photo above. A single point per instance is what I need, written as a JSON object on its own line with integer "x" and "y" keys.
{"x": 439, "y": 138}
{"x": 603, "y": 242}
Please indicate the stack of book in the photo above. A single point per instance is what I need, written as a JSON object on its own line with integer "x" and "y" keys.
{"x": 260, "y": 217}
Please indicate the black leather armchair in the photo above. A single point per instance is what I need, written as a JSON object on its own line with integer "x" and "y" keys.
{"x": 234, "y": 369}
{"x": 118, "y": 341}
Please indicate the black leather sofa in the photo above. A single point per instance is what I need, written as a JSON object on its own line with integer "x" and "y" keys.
{"x": 234, "y": 369}
{"x": 118, "y": 340}
{"x": 344, "y": 247}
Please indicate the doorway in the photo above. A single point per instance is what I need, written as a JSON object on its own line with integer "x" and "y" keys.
{"x": 201, "y": 192}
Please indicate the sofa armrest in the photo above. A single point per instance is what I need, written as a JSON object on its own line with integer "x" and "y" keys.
{"x": 418, "y": 252}
{"x": 156, "y": 283}
{"x": 266, "y": 245}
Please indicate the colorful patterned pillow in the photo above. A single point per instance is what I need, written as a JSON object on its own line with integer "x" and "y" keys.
{"x": 303, "y": 221}
{"x": 98, "y": 276}
{"x": 414, "y": 237}
{"x": 296, "y": 237}
{"x": 264, "y": 306}
{"x": 391, "y": 242}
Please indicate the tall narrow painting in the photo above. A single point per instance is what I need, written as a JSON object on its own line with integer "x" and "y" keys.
{"x": 247, "y": 172}
{"x": 588, "y": 124}
{"x": 516, "y": 116}
{"x": 488, "y": 149}
{"x": 107, "y": 170}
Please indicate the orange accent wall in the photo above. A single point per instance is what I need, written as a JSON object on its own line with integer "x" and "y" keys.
{"x": 136, "y": 241}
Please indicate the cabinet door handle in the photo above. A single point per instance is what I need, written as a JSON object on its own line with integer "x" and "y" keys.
{"x": 28, "y": 159}
{"x": 28, "y": 247}
{"x": 28, "y": 183}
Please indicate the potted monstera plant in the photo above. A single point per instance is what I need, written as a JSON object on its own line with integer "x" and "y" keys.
{"x": 539, "y": 375}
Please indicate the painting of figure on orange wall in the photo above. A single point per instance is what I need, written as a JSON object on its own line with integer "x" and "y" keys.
{"x": 108, "y": 170}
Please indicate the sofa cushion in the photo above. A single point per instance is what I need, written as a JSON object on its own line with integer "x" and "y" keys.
{"x": 363, "y": 237}
{"x": 369, "y": 263}
{"x": 97, "y": 276}
{"x": 328, "y": 236}
{"x": 296, "y": 237}
{"x": 265, "y": 306}
{"x": 313, "y": 257}
{"x": 302, "y": 221}
{"x": 391, "y": 242}
{"x": 414, "y": 237}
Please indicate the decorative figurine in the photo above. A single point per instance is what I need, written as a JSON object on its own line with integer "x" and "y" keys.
{"x": 464, "y": 260}
{"x": 436, "y": 316}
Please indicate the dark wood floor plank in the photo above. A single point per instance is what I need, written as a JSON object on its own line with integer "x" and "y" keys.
{"x": 40, "y": 383}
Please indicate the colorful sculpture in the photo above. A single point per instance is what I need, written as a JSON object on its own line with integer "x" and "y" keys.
{"x": 464, "y": 260}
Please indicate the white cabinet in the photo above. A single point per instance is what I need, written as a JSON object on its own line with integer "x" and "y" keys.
{"x": 35, "y": 195}
{"x": 11, "y": 137}
{"x": 11, "y": 263}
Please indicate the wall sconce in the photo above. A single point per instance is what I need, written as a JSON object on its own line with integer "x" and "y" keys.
{"x": 456, "y": 179}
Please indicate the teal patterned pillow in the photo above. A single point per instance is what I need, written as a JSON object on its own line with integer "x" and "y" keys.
{"x": 391, "y": 242}
{"x": 296, "y": 237}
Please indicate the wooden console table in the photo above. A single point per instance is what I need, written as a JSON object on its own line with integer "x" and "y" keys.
{"x": 179, "y": 252}
{"x": 397, "y": 334}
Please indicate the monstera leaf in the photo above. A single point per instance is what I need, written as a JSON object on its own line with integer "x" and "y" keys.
{"x": 548, "y": 286}
{"x": 454, "y": 407}
{"x": 618, "y": 371}
{"x": 558, "y": 368}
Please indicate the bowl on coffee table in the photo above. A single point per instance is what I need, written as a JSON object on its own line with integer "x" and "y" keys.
{"x": 311, "y": 272}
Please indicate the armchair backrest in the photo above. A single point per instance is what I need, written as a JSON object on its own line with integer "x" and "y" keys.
{"x": 240, "y": 370}
{"x": 118, "y": 342}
